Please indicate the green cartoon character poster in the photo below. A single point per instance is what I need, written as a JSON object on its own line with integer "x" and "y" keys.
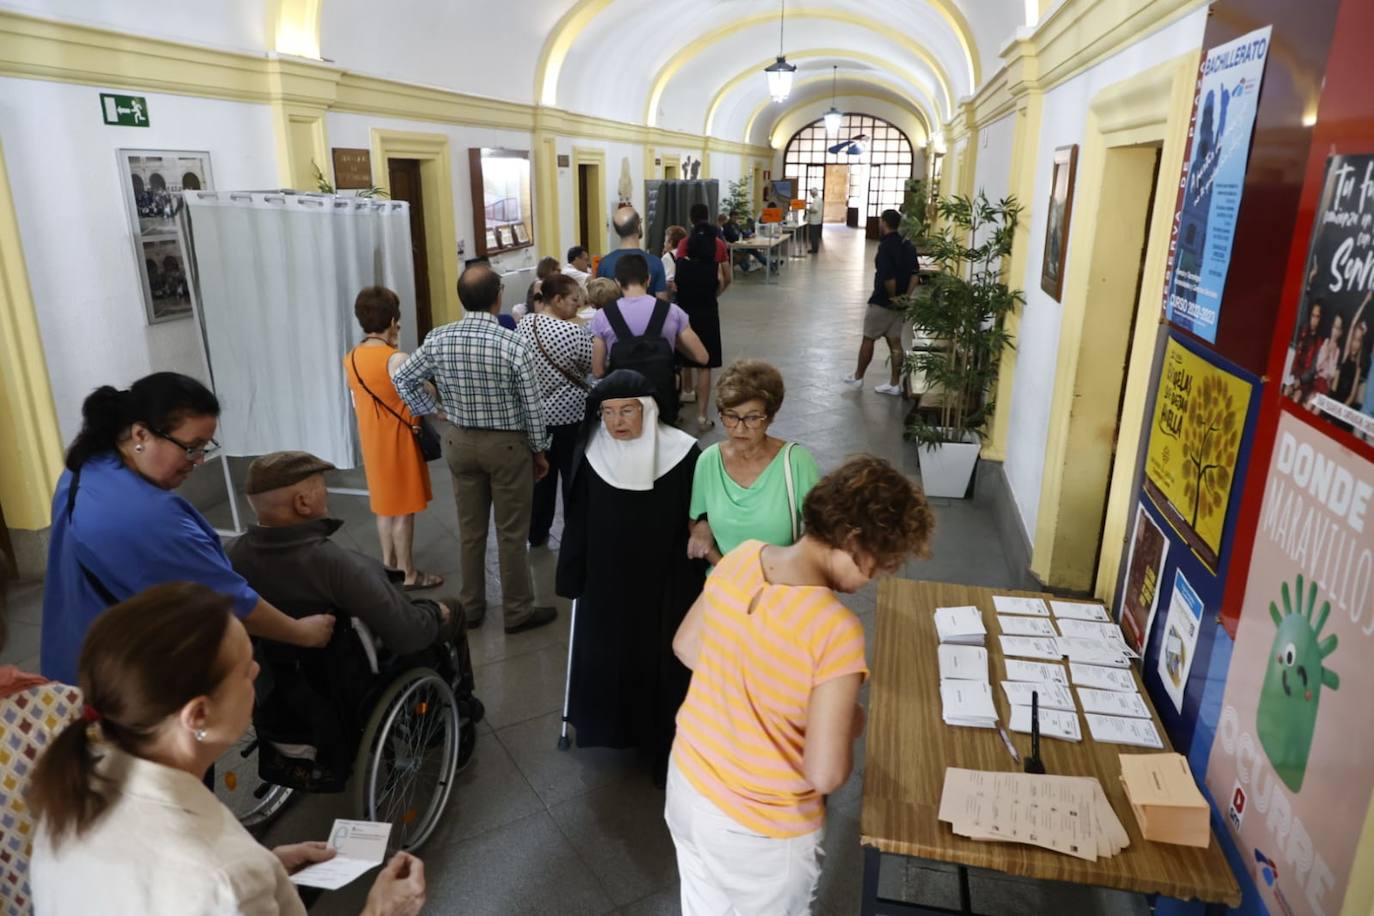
{"x": 1293, "y": 682}
{"x": 1289, "y": 768}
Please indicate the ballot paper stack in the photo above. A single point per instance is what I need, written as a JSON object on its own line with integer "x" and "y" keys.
{"x": 1066, "y": 814}
{"x": 1116, "y": 712}
{"x": 964, "y": 690}
{"x": 962, "y": 626}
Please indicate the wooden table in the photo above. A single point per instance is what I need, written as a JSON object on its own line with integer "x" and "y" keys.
{"x": 909, "y": 747}
{"x": 762, "y": 243}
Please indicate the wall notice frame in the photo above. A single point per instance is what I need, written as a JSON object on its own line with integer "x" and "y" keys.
{"x": 501, "y": 199}
{"x": 153, "y": 181}
{"x": 1057, "y": 223}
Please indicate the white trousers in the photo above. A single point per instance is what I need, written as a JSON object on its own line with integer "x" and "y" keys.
{"x": 728, "y": 870}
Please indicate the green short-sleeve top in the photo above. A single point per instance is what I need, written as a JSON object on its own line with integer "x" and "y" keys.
{"x": 759, "y": 512}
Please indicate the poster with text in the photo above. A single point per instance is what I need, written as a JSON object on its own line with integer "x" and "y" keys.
{"x": 1213, "y": 179}
{"x": 1327, "y": 370}
{"x": 1140, "y": 592}
{"x": 1181, "y": 628}
{"x": 1290, "y": 769}
{"x": 1195, "y": 435}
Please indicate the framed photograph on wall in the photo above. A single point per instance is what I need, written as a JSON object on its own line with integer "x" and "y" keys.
{"x": 501, "y": 236}
{"x": 153, "y": 181}
{"x": 522, "y": 235}
{"x": 1057, "y": 223}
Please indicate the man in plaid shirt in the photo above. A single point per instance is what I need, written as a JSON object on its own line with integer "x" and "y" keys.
{"x": 495, "y": 446}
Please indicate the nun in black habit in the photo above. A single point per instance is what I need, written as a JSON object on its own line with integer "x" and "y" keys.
{"x": 624, "y": 558}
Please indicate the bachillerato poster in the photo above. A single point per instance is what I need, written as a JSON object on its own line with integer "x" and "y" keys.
{"x": 1328, "y": 364}
{"x": 1291, "y": 769}
{"x": 1213, "y": 179}
{"x": 1195, "y": 436}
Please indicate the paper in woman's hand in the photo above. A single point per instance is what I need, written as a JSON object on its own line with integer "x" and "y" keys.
{"x": 361, "y": 847}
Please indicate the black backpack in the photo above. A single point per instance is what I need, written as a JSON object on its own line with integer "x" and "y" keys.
{"x": 649, "y": 354}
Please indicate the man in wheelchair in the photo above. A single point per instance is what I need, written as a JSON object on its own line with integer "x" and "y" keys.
{"x": 312, "y": 704}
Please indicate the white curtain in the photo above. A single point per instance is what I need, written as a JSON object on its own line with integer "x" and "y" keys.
{"x": 277, "y": 276}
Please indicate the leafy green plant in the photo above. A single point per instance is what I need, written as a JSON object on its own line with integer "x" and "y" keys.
{"x": 961, "y": 311}
{"x": 918, "y": 212}
{"x": 739, "y": 199}
{"x": 323, "y": 185}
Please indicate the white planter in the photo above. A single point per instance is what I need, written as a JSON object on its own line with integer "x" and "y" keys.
{"x": 947, "y": 468}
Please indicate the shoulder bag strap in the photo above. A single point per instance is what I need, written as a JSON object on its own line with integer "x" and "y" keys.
{"x": 353, "y": 358}
{"x": 657, "y": 320}
{"x": 791, "y": 489}
{"x": 91, "y": 578}
{"x": 617, "y": 321}
{"x": 539, "y": 342}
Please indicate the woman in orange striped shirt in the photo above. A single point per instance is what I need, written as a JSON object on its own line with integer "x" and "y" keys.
{"x": 769, "y": 723}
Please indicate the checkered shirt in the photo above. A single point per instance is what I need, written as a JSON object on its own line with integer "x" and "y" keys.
{"x": 485, "y": 375}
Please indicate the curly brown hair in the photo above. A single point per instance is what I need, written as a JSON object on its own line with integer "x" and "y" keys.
{"x": 602, "y": 291}
{"x": 747, "y": 380}
{"x": 870, "y": 501}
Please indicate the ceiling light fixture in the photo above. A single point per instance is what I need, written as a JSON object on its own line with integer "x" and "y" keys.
{"x": 780, "y": 72}
{"x": 834, "y": 116}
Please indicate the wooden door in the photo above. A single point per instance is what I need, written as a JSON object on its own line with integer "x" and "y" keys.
{"x": 584, "y": 205}
{"x": 405, "y": 185}
{"x": 836, "y": 193}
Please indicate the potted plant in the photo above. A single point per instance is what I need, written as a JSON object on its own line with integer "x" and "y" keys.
{"x": 957, "y": 319}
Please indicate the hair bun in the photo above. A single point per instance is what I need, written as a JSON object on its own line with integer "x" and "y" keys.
{"x": 103, "y": 405}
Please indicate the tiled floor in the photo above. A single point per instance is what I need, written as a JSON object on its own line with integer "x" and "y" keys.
{"x": 533, "y": 830}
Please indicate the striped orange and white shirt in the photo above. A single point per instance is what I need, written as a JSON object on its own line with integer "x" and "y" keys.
{"x": 741, "y": 732}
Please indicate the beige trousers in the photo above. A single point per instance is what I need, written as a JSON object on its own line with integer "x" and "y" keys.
{"x": 493, "y": 470}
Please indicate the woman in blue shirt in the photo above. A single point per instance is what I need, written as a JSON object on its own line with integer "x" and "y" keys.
{"x": 118, "y": 527}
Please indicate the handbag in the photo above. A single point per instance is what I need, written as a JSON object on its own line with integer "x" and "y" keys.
{"x": 791, "y": 491}
{"x": 538, "y": 341}
{"x": 425, "y": 437}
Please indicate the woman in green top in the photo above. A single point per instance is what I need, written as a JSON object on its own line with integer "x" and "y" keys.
{"x": 752, "y": 485}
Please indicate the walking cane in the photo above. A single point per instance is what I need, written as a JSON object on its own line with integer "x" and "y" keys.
{"x": 563, "y": 743}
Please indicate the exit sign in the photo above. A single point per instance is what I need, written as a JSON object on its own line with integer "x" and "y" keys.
{"x": 124, "y": 110}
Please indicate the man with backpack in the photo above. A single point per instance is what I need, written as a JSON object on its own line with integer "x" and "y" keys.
{"x": 640, "y": 332}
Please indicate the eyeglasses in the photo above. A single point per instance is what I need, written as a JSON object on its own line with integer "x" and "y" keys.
{"x": 193, "y": 452}
{"x": 628, "y": 412}
{"x": 750, "y": 421}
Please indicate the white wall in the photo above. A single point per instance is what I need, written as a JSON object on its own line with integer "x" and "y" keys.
{"x": 1062, "y": 122}
{"x": 992, "y": 171}
{"x": 236, "y": 25}
{"x": 77, "y": 239}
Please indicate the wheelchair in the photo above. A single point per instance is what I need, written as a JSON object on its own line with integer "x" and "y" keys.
{"x": 391, "y": 731}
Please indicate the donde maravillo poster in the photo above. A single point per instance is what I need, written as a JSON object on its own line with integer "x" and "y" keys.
{"x": 1291, "y": 769}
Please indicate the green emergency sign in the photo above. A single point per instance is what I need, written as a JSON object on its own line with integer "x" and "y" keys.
{"x": 124, "y": 110}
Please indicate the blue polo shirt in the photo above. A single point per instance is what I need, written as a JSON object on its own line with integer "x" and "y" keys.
{"x": 131, "y": 535}
{"x": 658, "y": 277}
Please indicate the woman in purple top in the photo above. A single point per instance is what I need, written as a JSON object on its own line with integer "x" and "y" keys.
{"x": 637, "y": 308}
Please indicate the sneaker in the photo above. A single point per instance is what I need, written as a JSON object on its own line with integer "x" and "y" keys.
{"x": 889, "y": 389}
{"x": 539, "y": 616}
{"x": 852, "y": 382}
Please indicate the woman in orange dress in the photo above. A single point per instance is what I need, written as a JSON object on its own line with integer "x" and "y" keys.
{"x": 397, "y": 477}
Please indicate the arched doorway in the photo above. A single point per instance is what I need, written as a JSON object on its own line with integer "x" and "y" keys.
{"x": 190, "y": 182}
{"x": 861, "y": 170}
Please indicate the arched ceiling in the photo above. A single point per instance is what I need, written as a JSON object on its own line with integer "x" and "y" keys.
{"x": 694, "y": 67}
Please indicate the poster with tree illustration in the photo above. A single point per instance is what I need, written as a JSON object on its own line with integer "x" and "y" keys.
{"x": 1289, "y": 770}
{"x": 1190, "y": 468}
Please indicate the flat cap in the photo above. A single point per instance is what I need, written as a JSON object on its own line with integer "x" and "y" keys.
{"x": 282, "y": 469}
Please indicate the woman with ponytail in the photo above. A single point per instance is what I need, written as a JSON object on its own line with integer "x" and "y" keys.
{"x": 118, "y": 527}
{"x": 125, "y": 824}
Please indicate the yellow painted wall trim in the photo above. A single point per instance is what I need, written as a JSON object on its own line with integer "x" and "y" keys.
{"x": 436, "y": 184}
{"x": 1152, "y": 105}
{"x": 695, "y": 47}
{"x": 752, "y": 73}
{"x": 294, "y": 27}
{"x": 597, "y": 214}
{"x": 896, "y": 94}
{"x": 546, "y": 195}
{"x": 777, "y": 141}
{"x": 30, "y": 442}
{"x": 556, "y": 47}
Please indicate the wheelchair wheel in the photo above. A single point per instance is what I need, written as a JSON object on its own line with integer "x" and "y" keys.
{"x": 408, "y": 756}
{"x": 237, "y": 784}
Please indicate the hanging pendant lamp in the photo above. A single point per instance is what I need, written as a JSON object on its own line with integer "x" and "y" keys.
{"x": 834, "y": 116}
{"x": 780, "y": 72}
